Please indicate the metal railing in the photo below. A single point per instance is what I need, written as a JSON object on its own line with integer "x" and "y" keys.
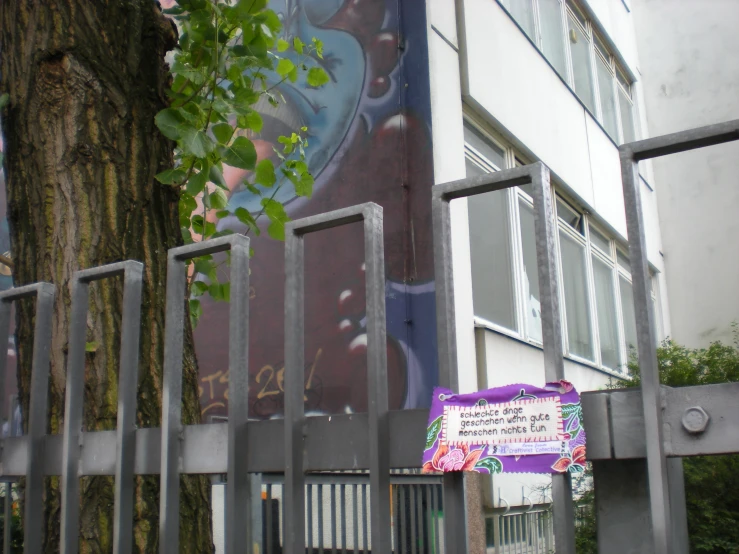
{"x": 520, "y": 530}
{"x": 373, "y": 442}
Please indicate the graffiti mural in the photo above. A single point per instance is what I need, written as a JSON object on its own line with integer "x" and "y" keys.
{"x": 370, "y": 141}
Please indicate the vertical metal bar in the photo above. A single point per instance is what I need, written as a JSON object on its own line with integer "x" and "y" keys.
{"x": 172, "y": 430}
{"x": 128, "y": 380}
{"x": 126, "y": 413}
{"x": 256, "y": 520}
{"x": 412, "y": 510}
{"x": 239, "y": 533}
{"x": 342, "y": 507}
{"x": 379, "y": 473}
{"x": 355, "y": 518}
{"x": 333, "y": 518}
{"x": 420, "y": 518}
{"x": 73, "y": 411}
{"x": 320, "y": 519}
{"x": 169, "y": 483}
{"x": 435, "y": 518}
{"x": 8, "y": 504}
{"x": 270, "y": 523}
{"x": 6, "y": 307}
{"x": 551, "y": 326}
{"x": 33, "y": 524}
{"x": 294, "y": 489}
{"x": 366, "y": 513}
{"x": 403, "y": 529}
{"x": 659, "y": 492}
{"x": 309, "y": 501}
{"x": 455, "y": 523}
{"x": 496, "y": 533}
{"x": 8, "y": 512}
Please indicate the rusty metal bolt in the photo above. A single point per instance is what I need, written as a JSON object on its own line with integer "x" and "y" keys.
{"x": 695, "y": 420}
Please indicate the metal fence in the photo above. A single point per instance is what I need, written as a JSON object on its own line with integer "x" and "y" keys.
{"x": 373, "y": 442}
{"x": 520, "y": 530}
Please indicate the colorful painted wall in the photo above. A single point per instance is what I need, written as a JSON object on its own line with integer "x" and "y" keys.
{"x": 370, "y": 141}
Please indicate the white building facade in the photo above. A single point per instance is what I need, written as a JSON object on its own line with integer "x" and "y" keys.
{"x": 518, "y": 81}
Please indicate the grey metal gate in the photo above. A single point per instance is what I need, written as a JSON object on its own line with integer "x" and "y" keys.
{"x": 375, "y": 441}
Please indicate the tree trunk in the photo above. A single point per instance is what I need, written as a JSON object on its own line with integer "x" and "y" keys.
{"x": 86, "y": 78}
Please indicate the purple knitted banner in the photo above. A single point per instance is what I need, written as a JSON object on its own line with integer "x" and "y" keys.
{"x": 511, "y": 429}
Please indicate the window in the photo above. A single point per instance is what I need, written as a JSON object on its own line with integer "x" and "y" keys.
{"x": 490, "y": 240}
{"x": 576, "y": 307}
{"x": 605, "y": 304}
{"x": 523, "y": 12}
{"x": 552, "y": 34}
{"x": 607, "y": 97}
{"x": 582, "y": 74}
{"x": 566, "y": 38}
{"x": 599, "y": 325}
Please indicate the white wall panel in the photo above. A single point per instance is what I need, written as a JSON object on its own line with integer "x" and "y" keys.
{"x": 606, "y": 169}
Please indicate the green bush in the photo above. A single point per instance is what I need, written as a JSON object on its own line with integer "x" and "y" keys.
{"x": 711, "y": 482}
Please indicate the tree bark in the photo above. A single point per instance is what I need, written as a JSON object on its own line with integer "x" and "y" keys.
{"x": 85, "y": 79}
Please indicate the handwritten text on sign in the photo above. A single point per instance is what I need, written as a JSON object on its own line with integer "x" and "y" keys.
{"x": 535, "y": 420}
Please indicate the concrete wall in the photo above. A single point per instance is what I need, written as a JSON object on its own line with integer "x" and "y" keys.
{"x": 690, "y": 78}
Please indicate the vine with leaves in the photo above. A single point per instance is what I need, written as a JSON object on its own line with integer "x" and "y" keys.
{"x": 231, "y": 55}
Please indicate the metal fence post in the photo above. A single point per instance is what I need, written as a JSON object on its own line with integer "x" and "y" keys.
{"x": 537, "y": 175}
{"x": 172, "y": 429}
{"x": 545, "y": 230}
{"x": 294, "y": 491}
{"x": 74, "y": 404}
{"x": 39, "y": 393}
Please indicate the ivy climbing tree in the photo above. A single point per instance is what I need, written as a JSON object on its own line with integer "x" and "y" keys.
{"x": 110, "y": 154}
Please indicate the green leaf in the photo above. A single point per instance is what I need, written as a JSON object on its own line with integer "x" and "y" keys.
{"x": 187, "y": 205}
{"x": 304, "y": 186}
{"x": 170, "y": 121}
{"x": 171, "y": 176}
{"x": 493, "y": 465}
{"x": 254, "y": 121}
{"x": 282, "y": 45}
{"x": 317, "y": 77}
{"x": 206, "y": 267}
{"x": 216, "y": 177}
{"x": 284, "y": 67}
{"x": 241, "y": 153}
{"x": 265, "y": 173}
{"x": 199, "y": 288}
{"x": 4, "y": 98}
{"x": 91, "y": 346}
{"x": 196, "y": 142}
{"x": 196, "y": 183}
{"x": 247, "y": 219}
{"x": 298, "y": 45}
{"x": 223, "y": 132}
{"x": 196, "y": 311}
{"x": 433, "y": 432}
{"x": 218, "y": 199}
{"x": 275, "y": 211}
